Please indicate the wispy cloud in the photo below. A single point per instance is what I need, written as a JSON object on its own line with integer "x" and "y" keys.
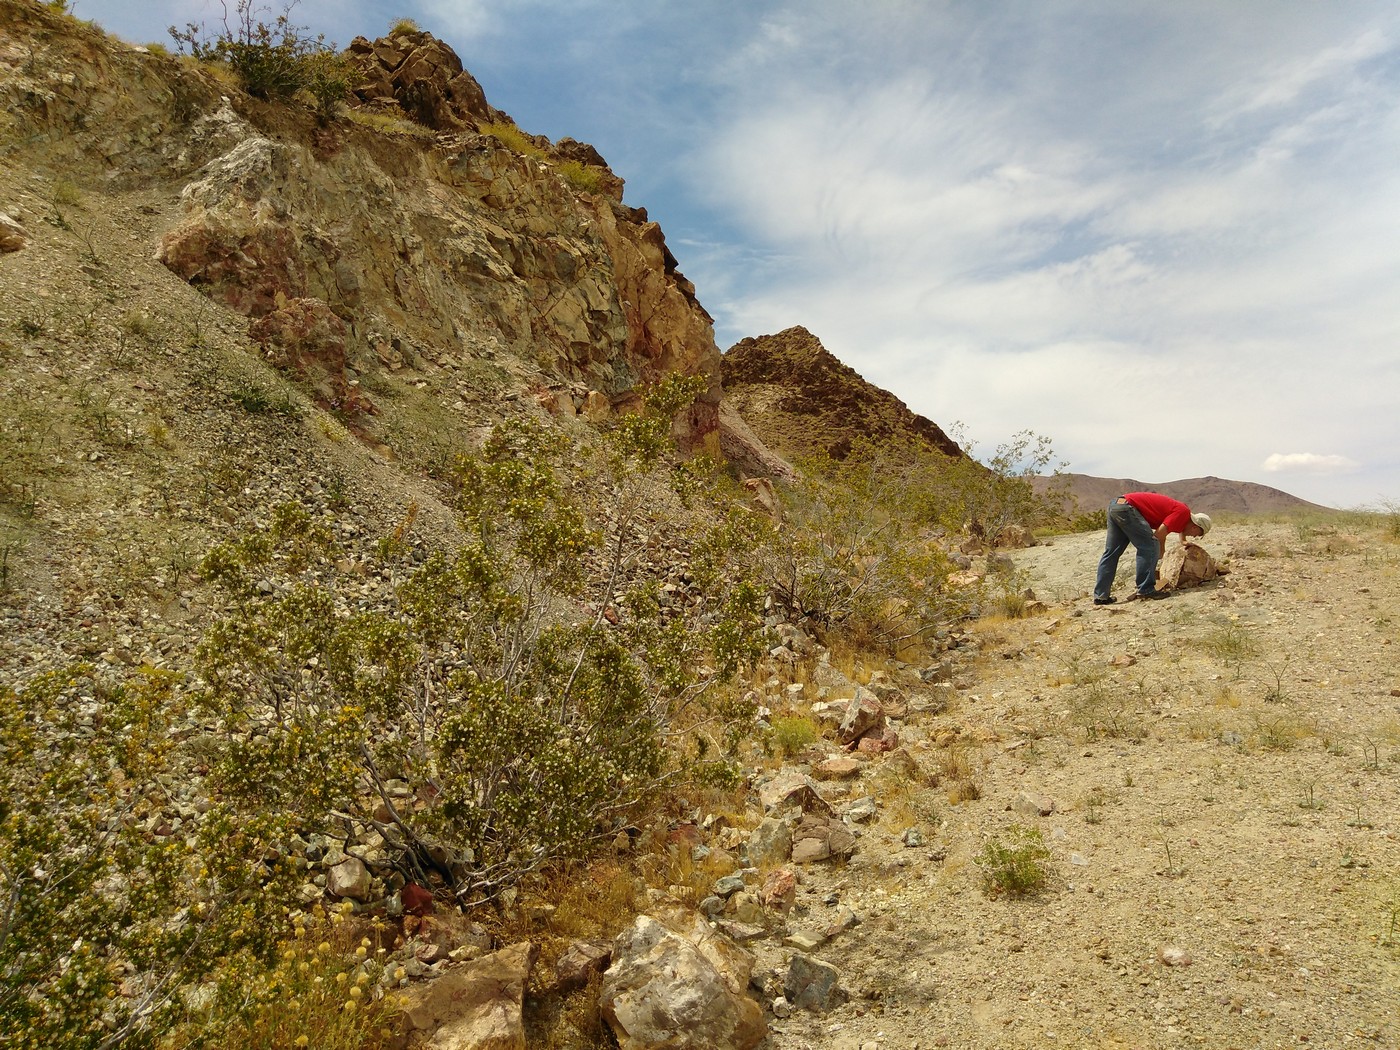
{"x": 1309, "y": 463}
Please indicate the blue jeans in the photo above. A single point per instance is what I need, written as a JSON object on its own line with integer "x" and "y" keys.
{"x": 1127, "y": 525}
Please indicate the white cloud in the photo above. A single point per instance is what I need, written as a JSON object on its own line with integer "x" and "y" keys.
{"x": 1309, "y": 463}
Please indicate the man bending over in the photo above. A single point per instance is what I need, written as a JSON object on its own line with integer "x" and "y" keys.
{"x": 1143, "y": 519}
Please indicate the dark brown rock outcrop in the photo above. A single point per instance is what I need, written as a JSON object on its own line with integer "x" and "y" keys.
{"x": 804, "y": 403}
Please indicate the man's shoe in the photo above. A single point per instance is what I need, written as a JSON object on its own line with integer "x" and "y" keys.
{"x": 1152, "y": 596}
{"x": 1105, "y": 601}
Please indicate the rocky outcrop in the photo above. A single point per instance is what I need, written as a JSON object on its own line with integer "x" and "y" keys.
{"x": 478, "y": 1006}
{"x": 452, "y": 252}
{"x": 486, "y": 254}
{"x": 803, "y": 403}
{"x": 424, "y": 77}
{"x": 746, "y": 450}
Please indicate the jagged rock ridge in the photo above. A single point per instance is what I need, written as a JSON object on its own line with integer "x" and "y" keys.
{"x": 803, "y": 402}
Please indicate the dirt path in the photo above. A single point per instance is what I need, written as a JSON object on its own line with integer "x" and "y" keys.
{"x": 1220, "y": 777}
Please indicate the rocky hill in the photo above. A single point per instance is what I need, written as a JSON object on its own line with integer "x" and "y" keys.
{"x": 1210, "y": 494}
{"x": 805, "y": 403}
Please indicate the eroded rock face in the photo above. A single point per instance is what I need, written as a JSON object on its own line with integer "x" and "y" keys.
{"x": 425, "y": 77}
{"x": 464, "y": 251}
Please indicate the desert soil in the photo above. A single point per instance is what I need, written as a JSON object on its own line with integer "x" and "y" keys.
{"x": 1221, "y": 772}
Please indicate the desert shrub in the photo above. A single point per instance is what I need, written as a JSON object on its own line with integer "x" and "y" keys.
{"x": 1016, "y": 864}
{"x": 104, "y": 914}
{"x": 403, "y": 27}
{"x": 327, "y": 78}
{"x": 1090, "y": 521}
{"x": 851, "y": 558}
{"x": 511, "y": 137}
{"x": 581, "y": 176}
{"x": 987, "y": 496}
{"x": 791, "y": 734}
{"x": 271, "y": 61}
{"x": 527, "y": 732}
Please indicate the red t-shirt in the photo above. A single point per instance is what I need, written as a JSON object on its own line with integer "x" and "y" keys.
{"x": 1161, "y": 510}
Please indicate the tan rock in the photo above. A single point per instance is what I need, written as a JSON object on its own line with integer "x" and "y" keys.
{"x": 477, "y": 1006}
{"x": 1186, "y": 565}
{"x": 818, "y": 838}
{"x": 684, "y": 992}
{"x": 349, "y": 878}
{"x": 13, "y": 236}
{"x": 596, "y": 407}
{"x": 840, "y": 767}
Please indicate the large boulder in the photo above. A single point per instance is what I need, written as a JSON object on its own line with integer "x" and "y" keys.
{"x": 820, "y": 837}
{"x": 864, "y": 714}
{"x": 680, "y": 991}
{"x": 474, "y": 1007}
{"x": 1187, "y": 565}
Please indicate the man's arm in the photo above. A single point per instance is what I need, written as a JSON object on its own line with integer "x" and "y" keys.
{"x": 1161, "y": 532}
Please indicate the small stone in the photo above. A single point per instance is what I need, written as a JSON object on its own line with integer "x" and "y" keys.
{"x": 350, "y": 878}
{"x": 804, "y": 941}
{"x": 861, "y": 810}
{"x": 1029, "y": 805}
{"x": 1173, "y": 956}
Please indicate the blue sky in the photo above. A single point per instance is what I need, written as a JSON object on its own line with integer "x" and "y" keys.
{"x": 1166, "y": 235}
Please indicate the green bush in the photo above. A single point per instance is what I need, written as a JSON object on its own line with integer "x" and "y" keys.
{"x": 851, "y": 557}
{"x": 327, "y": 77}
{"x": 526, "y": 732}
{"x": 792, "y": 734}
{"x": 104, "y": 913}
{"x": 271, "y": 61}
{"x": 1017, "y": 865}
{"x": 985, "y": 497}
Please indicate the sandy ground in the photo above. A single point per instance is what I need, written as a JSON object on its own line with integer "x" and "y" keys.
{"x": 1219, "y": 775}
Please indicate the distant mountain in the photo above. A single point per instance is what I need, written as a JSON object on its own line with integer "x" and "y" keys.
{"x": 803, "y": 402}
{"x": 1209, "y": 495}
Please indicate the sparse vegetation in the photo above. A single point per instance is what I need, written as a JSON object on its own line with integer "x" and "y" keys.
{"x": 271, "y": 61}
{"x": 581, "y": 176}
{"x": 512, "y": 138}
{"x": 1015, "y": 863}
{"x": 1233, "y": 645}
{"x": 389, "y": 124}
